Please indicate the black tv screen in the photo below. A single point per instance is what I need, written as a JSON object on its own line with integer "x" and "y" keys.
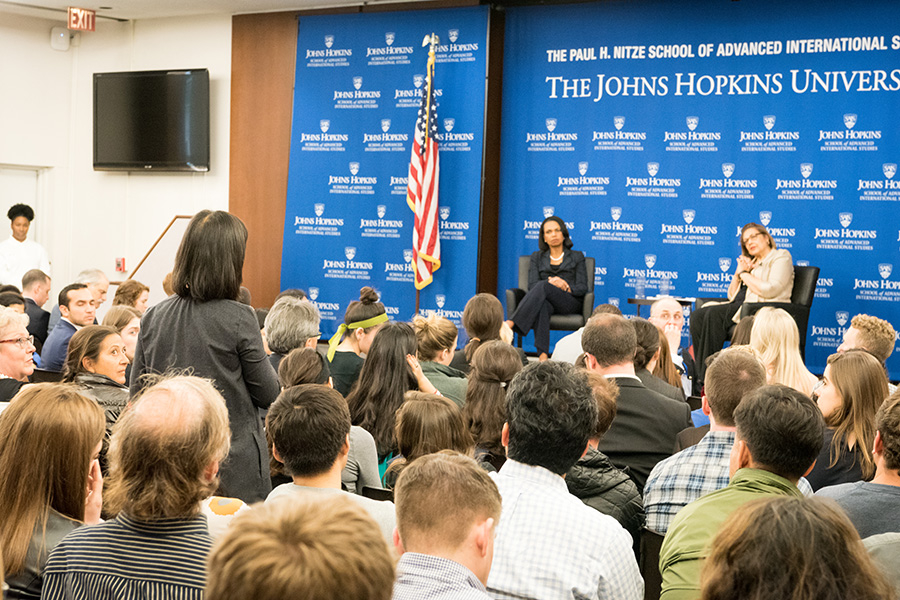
{"x": 151, "y": 120}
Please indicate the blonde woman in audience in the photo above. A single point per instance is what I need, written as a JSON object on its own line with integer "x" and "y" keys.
{"x": 132, "y": 293}
{"x": 51, "y": 478}
{"x": 791, "y": 548}
{"x": 427, "y": 424}
{"x": 436, "y": 337}
{"x": 853, "y": 388}
{"x": 16, "y": 353}
{"x": 776, "y": 338}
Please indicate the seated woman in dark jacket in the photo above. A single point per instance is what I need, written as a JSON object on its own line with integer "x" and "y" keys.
{"x": 16, "y": 352}
{"x": 557, "y": 283}
{"x": 595, "y": 480}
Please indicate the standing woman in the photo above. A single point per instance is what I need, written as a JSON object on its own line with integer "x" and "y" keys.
{"x": 361, "y": 322}
{"x": 557, "y": 283}
{"x": 763, "y": 274}
{"x": 18, "y": 254}
{"x": 203, "y": 327}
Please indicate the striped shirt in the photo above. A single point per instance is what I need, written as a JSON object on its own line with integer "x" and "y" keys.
{"x": 125, "y": 559}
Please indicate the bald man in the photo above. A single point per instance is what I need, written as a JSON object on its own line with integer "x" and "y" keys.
{"x": 668, "y": 314}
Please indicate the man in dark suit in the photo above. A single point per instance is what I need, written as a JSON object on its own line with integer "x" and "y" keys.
{"x": 643, "y": 432}
{"x": 76, "y": 308}
{"x": 36, "y": 291}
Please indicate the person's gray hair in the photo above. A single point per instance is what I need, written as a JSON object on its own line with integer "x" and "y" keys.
{"x": 290, "y": 323}
{"x": 89, "y": 276}
{"x": 10, "y": 317}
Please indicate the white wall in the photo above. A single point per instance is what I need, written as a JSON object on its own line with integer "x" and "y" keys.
{"x": 87, "y": 218}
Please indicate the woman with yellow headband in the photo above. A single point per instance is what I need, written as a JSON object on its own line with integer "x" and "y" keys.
{"x": 361, "y": 321}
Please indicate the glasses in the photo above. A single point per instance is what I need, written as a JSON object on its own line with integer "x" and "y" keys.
{"x": 22, "y": 342}
{"x": 752, "y": 237}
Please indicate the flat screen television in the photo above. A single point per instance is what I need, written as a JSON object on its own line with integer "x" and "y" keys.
{"x": 151, "y": 120}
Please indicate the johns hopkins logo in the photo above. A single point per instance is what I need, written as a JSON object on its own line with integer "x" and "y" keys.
{"x": 319, "y": 208}
{"x": 619, "y": 122}
{"x": 802, "y": 263}
{"x": 615, "y": 212}
{"x": 806, "y": 170}
{"x": 408, "y": 254}
{"x": 649, "y": 260}
{"x": 329, "y": 40}
{"x": 889, "y": 169}
{"x": 381, "y": 209}
{"x": 385, "y": 125}
{"x": 728, "y": 169}
{"x": 389, "y": 38}
{"x": 551, "y": 124}
{"x": 885, "y": 270}
{"x": 548, "y": 211}
{"x": 846, "y": 218}
{"x": 765, "y": 217}
{"x": 849, "y": 120}
{"x": 324, "y": 124}
{"x": 350, "y": 252}
{"x": 724, "y": 263}
{"x": 769, "y": 121}
{"x": 440, "y": 300}
{"x": 357, "y": 82}
{"x": 418, "y": 80}
{"x": 445, "y": 212}
{"x": 613, "y": 301}
{"x": 448, "y": 124}
{"x": 692, "y": 122}
{"x": 582, "y": 167}
{"x": 354, "y": 168}
{"x": 453, "y": 34}
{"x": 842, "y": 317}
{"x": 689, "y": 214}
{"x": 653, "y": 168}
{"x": 313, "y": 293}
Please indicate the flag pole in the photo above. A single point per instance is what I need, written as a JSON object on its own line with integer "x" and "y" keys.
{"x": 431, "y": 41}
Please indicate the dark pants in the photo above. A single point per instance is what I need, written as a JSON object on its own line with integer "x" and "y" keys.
{"x": 711, "y": 327}
{"x": 534, "y": 311}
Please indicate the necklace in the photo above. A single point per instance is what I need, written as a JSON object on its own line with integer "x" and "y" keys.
{"x": 557, "y": 257}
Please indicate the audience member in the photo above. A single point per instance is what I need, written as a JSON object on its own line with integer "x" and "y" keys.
{"x": 291, "y": 323}
{"x": 482, "y": 319}
{"x": 261, "y": 314}
{"x": 885, "y": 551}
{"x": 165, "y": 452}
{"x": 36, "y": 291}
{"x": 776, "y": 338}
{"x": 126, "y": 320}
{"x": 494, "y": 364}
{"x": 76, "y": 305}
{"x": 204, "y": 327}
{"x": 778, "y": 435}
{"x": 362, "y": 320}
{"x": 310, "y": 429}
{"x": 646, "y": 356}
{"x": 436, "y": 338}
{"x": 9, "y": 288}
{"x": 391, "y": 369}
{"x": 96, "y": 363}
{"x": 13, "y": 300}
{"x": 668, "y": 314}
{"x": 741, "y": 334}
{"x": 16, "y": 353}
{"x": 97, "y": 284}
{"x": 643, "y": 432}
{"x": 447, "y": 513}
{"x": 797, "y": 548}
{"x": 694, "y": 472}
{"x": 549, "y": 544}
{"x": 568, "y": 348}
{"x": 51, "y": 478}
{"x": 873, "y": 506}
{"x": 244, "y": 296}
{"x": 854, "y": 386}
{"x": 167, "y": 285}
{"x": 133, "y": 293}
{"x": 427, "y": 424}
{"x": 18, "y": 254}
{"x": 872, "y": 334}
{"x": 302, "y": 549}
{"x": 595, "y": 480}
{"x": 303, "y": 366}
{"x": 665, "y": 369}
{"x": 292, "y": 292}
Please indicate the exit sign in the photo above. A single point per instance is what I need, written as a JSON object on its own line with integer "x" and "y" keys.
{"x": 81, "y": 19}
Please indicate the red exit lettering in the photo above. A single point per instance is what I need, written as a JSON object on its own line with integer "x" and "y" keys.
{"x": 81, "y": 19}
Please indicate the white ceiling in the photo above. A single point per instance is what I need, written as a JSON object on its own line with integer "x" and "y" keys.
{"x": 151, "y": 9}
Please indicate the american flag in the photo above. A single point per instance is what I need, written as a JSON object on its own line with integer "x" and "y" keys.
{"x": 422, "y": 186}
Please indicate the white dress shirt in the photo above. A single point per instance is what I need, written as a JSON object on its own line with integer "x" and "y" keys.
{"x": 551, "y": 545}
{"x": 17, "y": 258}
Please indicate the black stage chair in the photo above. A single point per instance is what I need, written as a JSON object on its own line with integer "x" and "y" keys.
{"x": 571, "y": 322}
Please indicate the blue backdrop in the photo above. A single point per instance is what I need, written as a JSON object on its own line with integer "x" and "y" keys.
{"x": 358, "y": 87}
{"x": 657, "y": 129}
